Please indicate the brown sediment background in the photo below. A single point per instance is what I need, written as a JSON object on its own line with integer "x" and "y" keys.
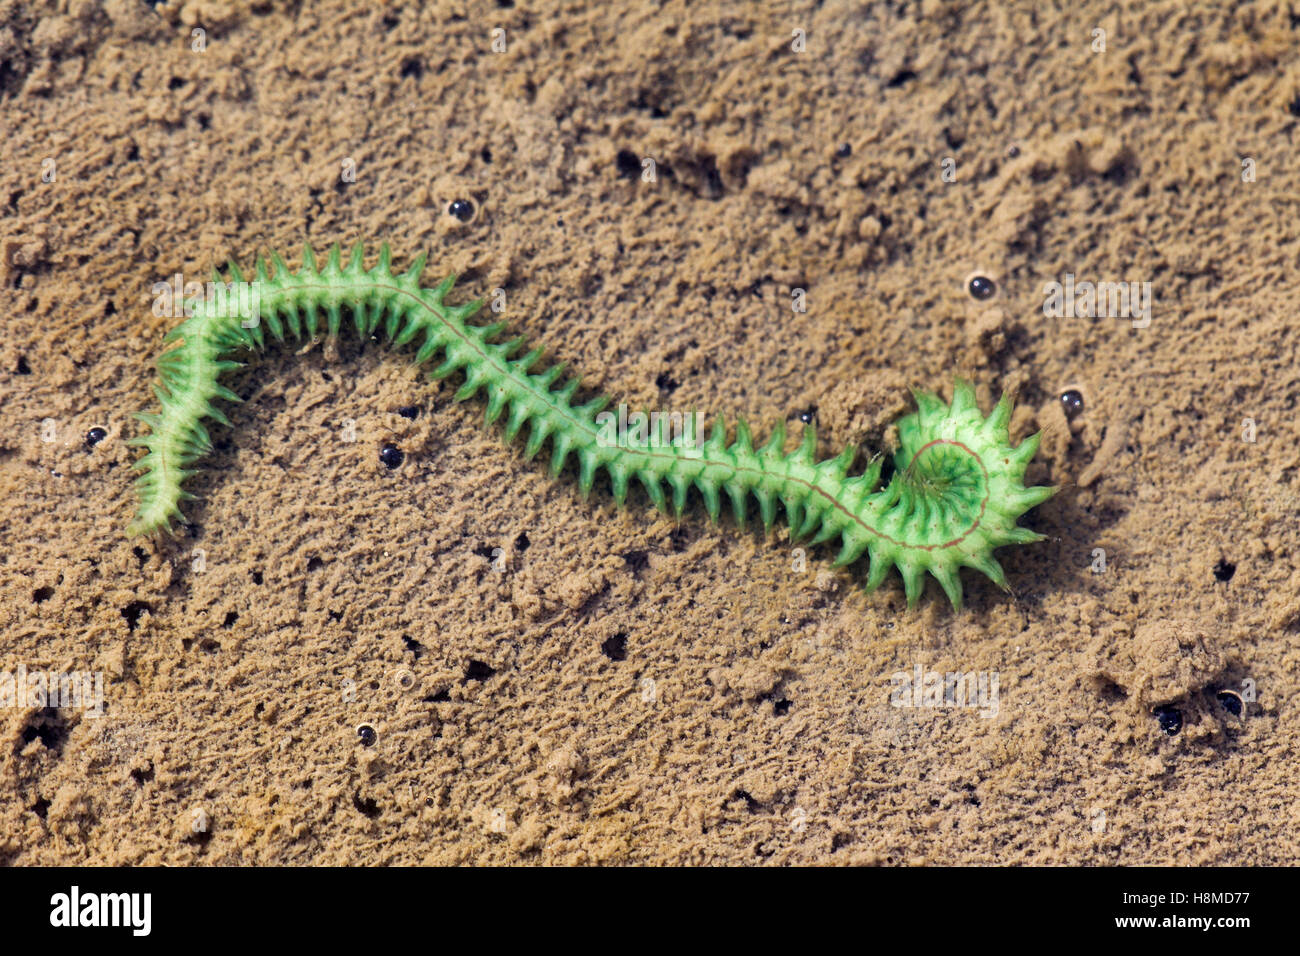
{"x": 540, "y": 679}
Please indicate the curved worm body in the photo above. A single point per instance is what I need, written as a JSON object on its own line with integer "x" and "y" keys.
{"x": 956, "y": 493}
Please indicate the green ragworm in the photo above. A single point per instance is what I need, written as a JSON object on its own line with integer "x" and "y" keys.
{"x": 955, "y": 495}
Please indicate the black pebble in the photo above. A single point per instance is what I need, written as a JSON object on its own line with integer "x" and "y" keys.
{"x": 844, "y": 151}
{"x": 1072, "y": 402}
{"x": 1231, "y": 702}
{"x": 462, "y": 209}
{"x": 981, "y": 287}
{"x": 628, "y": 163}
{"x": 95, "y": 436}
{"x": 391, "y": 455}
{"x": 1171, "y": 719}
{"x": 1224, "y": 570}
{"x": 367, "y": 735}
{"x": 408, "y": 411}
{"x": 615, "y": 648}
{"x": 807, "y": 416}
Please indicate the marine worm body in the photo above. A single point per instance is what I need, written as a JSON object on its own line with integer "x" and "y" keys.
{"x": 956, "y": 493}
